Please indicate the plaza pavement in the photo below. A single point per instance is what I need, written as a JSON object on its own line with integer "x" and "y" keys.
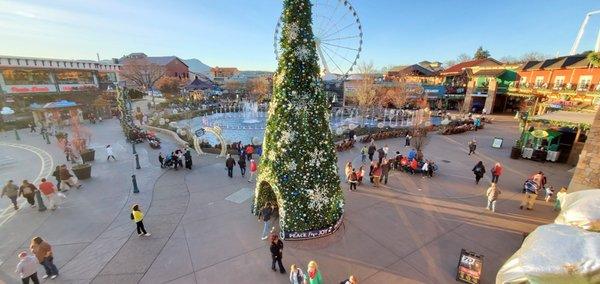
{"x": 410, "y": 231}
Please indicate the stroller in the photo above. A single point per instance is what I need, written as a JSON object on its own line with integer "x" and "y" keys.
{"x": 170, "y": 162}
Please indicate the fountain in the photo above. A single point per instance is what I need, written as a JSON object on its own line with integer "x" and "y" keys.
{"x": 250, "y": 112}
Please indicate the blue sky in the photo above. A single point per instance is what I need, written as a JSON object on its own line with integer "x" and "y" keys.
{"x": 240, "y": 32}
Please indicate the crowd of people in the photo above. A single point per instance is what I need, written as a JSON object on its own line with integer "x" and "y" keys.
{"x": 176, "y": 159}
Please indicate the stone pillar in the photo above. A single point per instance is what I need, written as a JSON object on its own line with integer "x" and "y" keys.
{"x": 468, "y": 98}
{"x": 587, "y": 172}
{"x": 491, "y": 96}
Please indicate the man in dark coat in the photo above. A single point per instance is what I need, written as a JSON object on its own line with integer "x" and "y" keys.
{"x": 371, "y": 151}
{"x": 188, "y": 159}
{"x": 230, "y": 163}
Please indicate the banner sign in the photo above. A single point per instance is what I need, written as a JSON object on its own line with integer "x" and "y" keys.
{"x": 469, "y": 267}
{"x": 297, "y": 236}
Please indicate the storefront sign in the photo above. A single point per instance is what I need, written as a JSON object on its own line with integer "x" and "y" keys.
{"x": 469, "y": 267}
{"x": 497, "y": 143}
{"x": 20, "y": 89}
{"x": 297, "y": 236}
{"x": 68, "y": 88}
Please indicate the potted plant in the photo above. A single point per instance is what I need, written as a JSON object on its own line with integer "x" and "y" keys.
{"x": 87, "y": 155}
{"x": 82, "y": 171}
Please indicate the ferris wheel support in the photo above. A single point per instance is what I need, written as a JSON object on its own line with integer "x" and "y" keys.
{"x": 323, "y": 61}
{"x": 582, "y": 30}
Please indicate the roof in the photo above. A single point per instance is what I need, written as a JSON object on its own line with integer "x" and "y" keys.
{"x": 527, "y": 65}
{"x": 566, "y": 61}
{"x": 414, "y": 69}
{"x": 490, "y": 72}
{"x": 59, "y": 104}
{"x": 200, "y": 83}
{"x": 164, "y": 60}
{"x": 566, "y": 117}
{"x": 544, "y": 64}
{"x": 458, "y": 68}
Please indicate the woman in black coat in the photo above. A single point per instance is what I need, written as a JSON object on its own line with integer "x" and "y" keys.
{"x": 478, "y": 170}
{"x": 277, "y": 253}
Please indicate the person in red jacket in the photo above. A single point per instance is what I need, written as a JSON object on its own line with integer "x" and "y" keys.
{"x": 496, "y": 172}
{"x": 413, "y": 166}
{"x": 253, "y": 169}
{"x": 249, "y": 152}
{"x": 47, "y": 188}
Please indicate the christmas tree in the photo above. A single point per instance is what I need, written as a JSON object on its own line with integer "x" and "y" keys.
{"x": 298, "y": 170}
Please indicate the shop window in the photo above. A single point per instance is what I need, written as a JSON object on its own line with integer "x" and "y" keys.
{"x": 584, "y": 83}
{"x": 26, "y": 77}
{"x": 74, "y": 77}
{"x": 107, "y": 77}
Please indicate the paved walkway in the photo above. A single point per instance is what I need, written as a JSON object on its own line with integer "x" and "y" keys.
{"x": 412, "y": 230}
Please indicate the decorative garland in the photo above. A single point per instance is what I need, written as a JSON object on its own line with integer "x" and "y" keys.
{"x": 133, "y": 133}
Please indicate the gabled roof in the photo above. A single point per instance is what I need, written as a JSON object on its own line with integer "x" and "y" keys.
{"x": 164, "y": 60}
{"x": 200, "y": 83}
{"x": 414, "y": 69}
{"x": 458, "y": 68}
{"x": 527, "y": 65}
{"x": 566, "y": 61}
{"x": 570, "y": 61}
{"x": 544, "y": 64}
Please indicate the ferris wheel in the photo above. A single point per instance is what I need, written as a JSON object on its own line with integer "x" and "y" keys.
{"x": 338, "y": 36}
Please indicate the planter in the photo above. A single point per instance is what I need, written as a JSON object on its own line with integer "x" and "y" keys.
{"x": 88, "y": 155}
{"x": 83, "y": 171}
{"x": 515, "y": 152}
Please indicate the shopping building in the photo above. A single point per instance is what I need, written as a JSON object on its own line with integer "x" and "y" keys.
{"x": 29, "y": 75}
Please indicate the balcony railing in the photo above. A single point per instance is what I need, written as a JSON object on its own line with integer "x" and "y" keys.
{"x": 555, "y": 88}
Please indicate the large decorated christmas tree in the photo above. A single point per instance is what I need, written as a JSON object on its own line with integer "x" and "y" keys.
{"x": 298, "y": 170}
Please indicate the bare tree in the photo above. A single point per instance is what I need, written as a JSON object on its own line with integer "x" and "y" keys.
{"x": 509, "y": 60}
{"x": 169, "y": 86}
{"x": 395, "y": 96}
{"x": 463, "y": 57}
{"x": 533, "y": 55}
{"x": 233, "y": 86}
{"x": 142, "y": 73}
{"x": 366, "y": 94}
{"x": 259, "y": 89}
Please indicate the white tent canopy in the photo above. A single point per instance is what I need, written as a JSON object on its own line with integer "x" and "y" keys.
{"x": 572, "y": 117}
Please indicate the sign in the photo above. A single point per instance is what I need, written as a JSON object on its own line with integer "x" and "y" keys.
{"x": 497, "y": 143}
{"x": 469, "y": 267}
{"x": 199, "y": 132}
{"x": 296, "y": 236}
{"x": 20, "y": 89}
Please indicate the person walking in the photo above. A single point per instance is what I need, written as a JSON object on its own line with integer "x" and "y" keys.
{"x": 229, "y": 164}
{"x": 549, "y": 193}
{"x": 430, "y": 168}
{"x": 45, "y": 256}
{"x": 407, "y": 140}
{"x": 12, "y": 192}
{"x": 377, "y": 172}
{"x": 313, "y": 273}
{"x": 559, "y": 196}
{"x": 492, "y": 195}
{"x": 161, "y": 160}
{"x": 348, "y": 170}
{"x": 276, "y": 249}
{"x": 253, "y": 169}
{"x": 363, "y": 154}
{"x": 478, "y": 170}
{"x": 385, "y": 170}
{"x": 249, "y": 151}
{"x": 47, "y": 188}
{"x": 496, "y": 172}
{"x": 353, "y": 180}
{"x": 27, "y": 268}
{"x": 381, "y": 155}
{"x": 386, "y": 149}
{"x": 138, "y": 217}
{"x": 109, "y": 153}
{"x": 242, "y": 164}
{"x": 56, "y": 175}
{"x": 477, "y": 123}
{"x": 425, "y": 168}
{"x": 472, "y": 146}
{"x": 187, "y": 156}
{"x": 351, "y": 280}
{"x": 539, "y": 179}
{"x": 296, "y": 275}
{"x": 360, "y": 174}
{"x": 531, "y": 193}
{"x": 32, "y": 128}
{"x": 28, "y": 190}
{"x": 371, "y": 151}
{"x": 265, "y": 215}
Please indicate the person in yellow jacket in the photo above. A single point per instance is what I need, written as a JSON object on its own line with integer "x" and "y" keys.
{"x": 138, "y": 217}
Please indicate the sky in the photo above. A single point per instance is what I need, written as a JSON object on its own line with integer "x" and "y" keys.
{"x": 239, "y": 33}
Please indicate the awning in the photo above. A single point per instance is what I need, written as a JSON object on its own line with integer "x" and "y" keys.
{"x": 566, "y": 118}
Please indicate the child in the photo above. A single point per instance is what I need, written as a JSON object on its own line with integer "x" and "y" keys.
{"x": 560, "y": 195}
{"x": 549, "y": 193}
{"x": 138, "y": 217}
{"x": 253, "y": 168}
{"x": 360, "y": 174}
